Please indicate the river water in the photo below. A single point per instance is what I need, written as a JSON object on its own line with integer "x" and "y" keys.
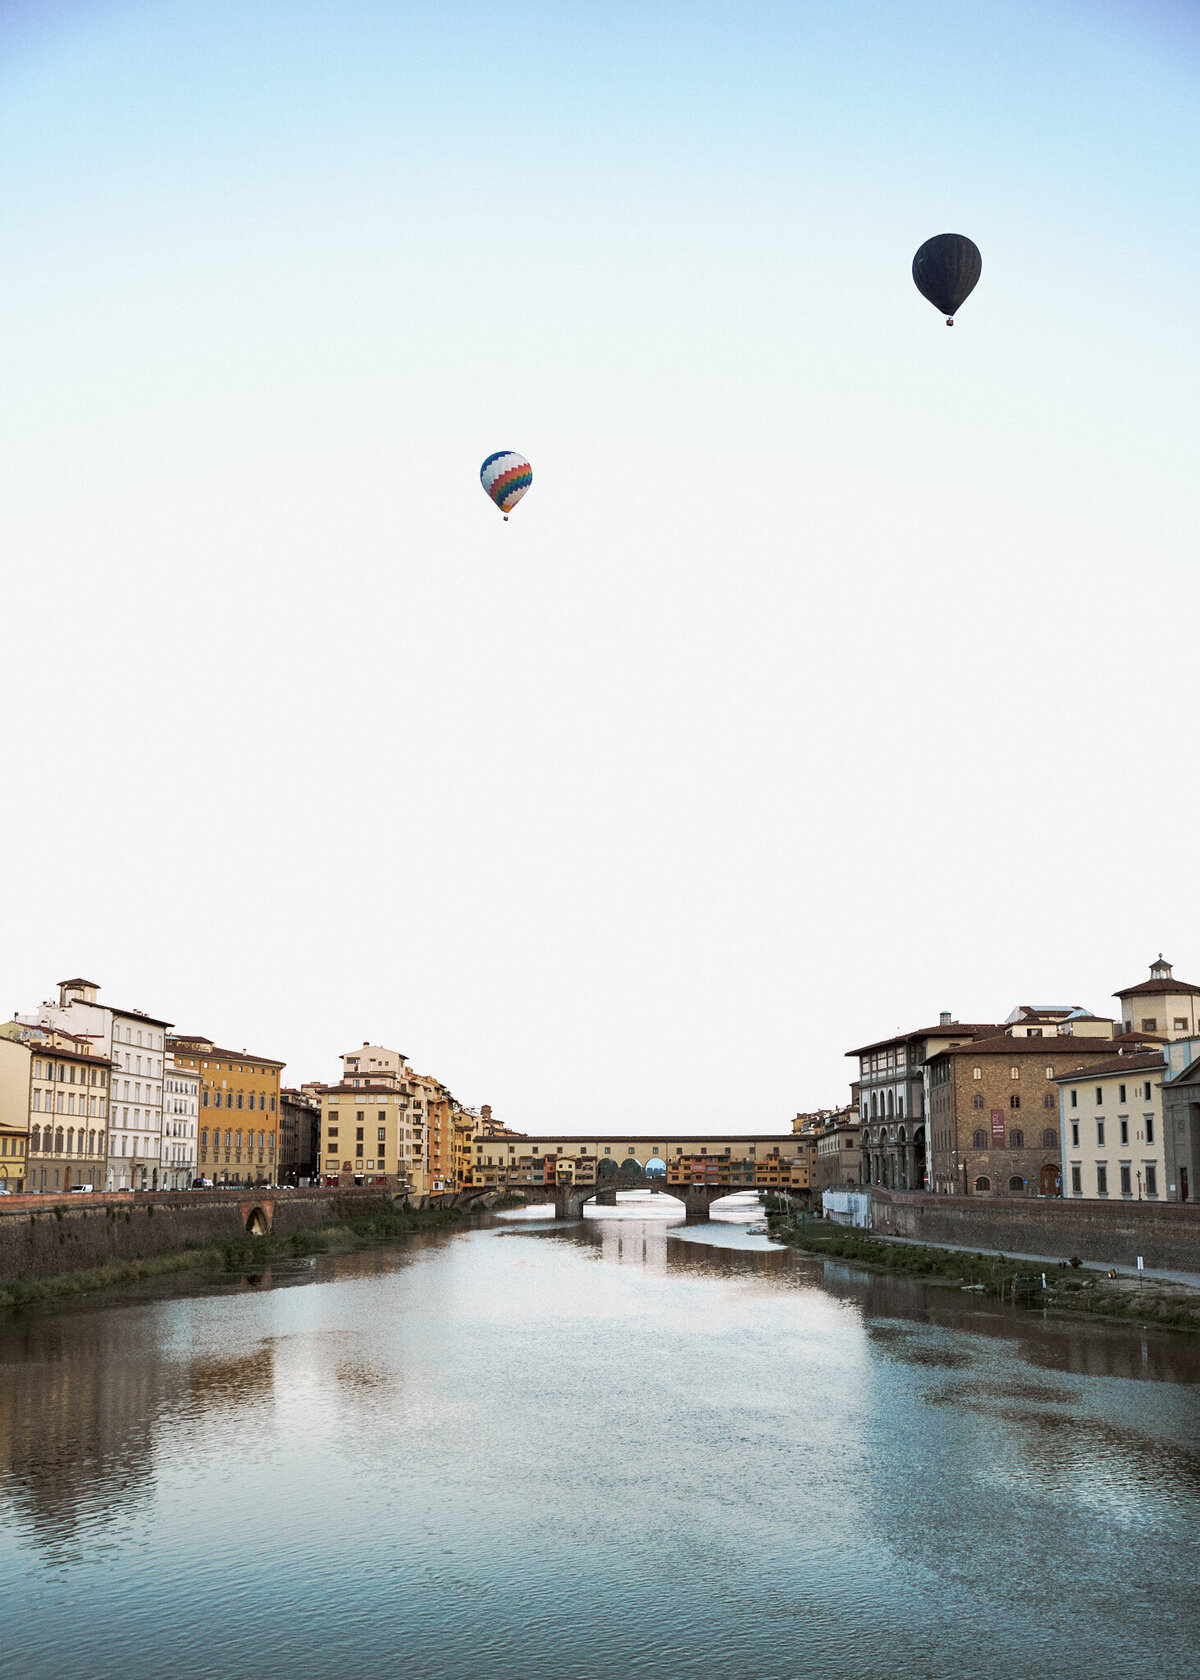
{"x": 606, "y": 1449}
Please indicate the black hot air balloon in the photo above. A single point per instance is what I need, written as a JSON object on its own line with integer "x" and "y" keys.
{"x": 946, "y": 270}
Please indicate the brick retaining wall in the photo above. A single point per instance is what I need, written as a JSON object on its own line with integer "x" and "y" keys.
{"x": 41, "y": 1236}
{"x": 1165, "y": 1234}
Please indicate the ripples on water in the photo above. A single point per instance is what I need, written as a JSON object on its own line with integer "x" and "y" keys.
{"x": 611, "y": 1448}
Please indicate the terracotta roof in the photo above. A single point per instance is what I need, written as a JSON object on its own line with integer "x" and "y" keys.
{"x": 1115, "y": 1064}
{"x": 1133, "y": 1040}
{"x": 188, "y": 1048}
{"x": 1155, "y": 988}
{"x": 1049, "y": 1049}
{"x": 955, "y": 1029}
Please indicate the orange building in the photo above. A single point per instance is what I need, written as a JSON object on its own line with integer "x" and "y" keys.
{"x": 239, "y": 1111}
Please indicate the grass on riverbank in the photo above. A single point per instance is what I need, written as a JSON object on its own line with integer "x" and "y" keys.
{"x": 231, "y": 1255}
{"x": 1147, "y": 1300}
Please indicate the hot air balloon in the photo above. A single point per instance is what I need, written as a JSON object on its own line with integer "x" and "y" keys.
{"x": 946, "y": 270}
{"x": 506, "y": 476}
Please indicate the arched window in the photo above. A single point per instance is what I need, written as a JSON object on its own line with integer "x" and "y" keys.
{"x": 70, "y": 1139}
{"x": 977, "y": 1101}
{"x": 1049, "y": 1100}
{"x": 980, "y": 1140}
{"x": 1049, "y": 1138}
{"x": 891, "y": 1104}
{"x": 99, "y": 1143}
{"x": 58, "y": 1142}
{"x": 900, "y": 1106}
{"x": 874, "y": 1105}
{"x": 35, "y": 1139}
{"x": 91, "y": 1143}
{"x": 1014, "y": 1102}
{"x": 983, "y": 1184}
{"x": 1016, "y": 1138}
{"x": 204, "y": 1099}
{"x": 1016, "y": 1186}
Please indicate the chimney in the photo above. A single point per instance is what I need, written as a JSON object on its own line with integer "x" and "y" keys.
{"x": 944, "y": 1018}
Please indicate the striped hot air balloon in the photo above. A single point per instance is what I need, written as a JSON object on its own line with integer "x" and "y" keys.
{"x": 506, "y": 476}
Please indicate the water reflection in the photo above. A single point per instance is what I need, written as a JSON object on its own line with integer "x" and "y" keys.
{"x": 788, "y": 1465}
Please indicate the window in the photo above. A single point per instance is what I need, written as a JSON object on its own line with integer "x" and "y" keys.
{"x": 980, "y": 1140}
{"x": 1016, "y": 1138}
{"x": 1149, "y": 1128}
{"x": 977, "y": 1073}
{"x": 382, "y": 1134}
{"x": 1146, "y": 1091}
{"x": 1099, "y": 1095}
{"x": 1102, "y": 1178}
{"x": 1049, "y": 1138}
{"x": 1120, "y": 1093}
{"x": 1016, "y": 1186}
{"x": 358, "y": 1132}
{"x": 983, "y": 1184}
{"x": 977, "y": 1100}
{"x": 228, "y": 1099}
{"x": 1077, "y": 1181}
{"x": 1014, "y": 1073}
{"x": 1180, "y": 1024}
{"x": 1048, "y": 1100}
{"x": 1150, "y": 1024}
{"x": 1074, "y": 1134}
{"x": 1126, "y": 1179}
{"x": 1100, "y": 1133}
{"x": 1124, "y": 1125}
{"x": 1074, "y": 1099}
{"x": 1049, "y": 1073}
{"x": 1151, "y": 1179}
{"x": 1014, "y": 1102}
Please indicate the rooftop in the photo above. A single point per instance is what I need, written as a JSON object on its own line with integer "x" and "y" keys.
{"x": 1160, "y": 981}
{"x": 1116, "y": 1064}
{"x": 949, "y": 1029}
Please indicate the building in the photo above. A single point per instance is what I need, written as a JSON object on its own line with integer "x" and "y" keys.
{"x": 1055, "y": 1020}
{"x": 839, "y": 1152}
{"x": 994, "y": 1115}
{"x": 181, "y": 1110}
{"x": 1161, "y": 1005}
{"x": 16, "y": 1070}
{"x": 1112, "y": 1130}
{"x": 1181, "y": 1118}
{"x": 892, "y": 1099}
{"x": 239, "y": 1110}
{"x": 133, "y": 1044}
{"x": 299, "y": 1135}
{"x": 367, "y": 1121}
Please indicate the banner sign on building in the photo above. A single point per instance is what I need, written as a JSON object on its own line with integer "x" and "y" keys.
{"x": 998, "y": 1128}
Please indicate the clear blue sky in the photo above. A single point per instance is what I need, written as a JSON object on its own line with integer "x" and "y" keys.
{"x": 837, "y": 668}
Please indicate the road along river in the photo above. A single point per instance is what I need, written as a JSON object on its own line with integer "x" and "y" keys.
{"x": 529, "y": 1451}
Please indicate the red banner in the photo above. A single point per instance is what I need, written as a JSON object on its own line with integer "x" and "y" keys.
{"x": 998, "y": 1128}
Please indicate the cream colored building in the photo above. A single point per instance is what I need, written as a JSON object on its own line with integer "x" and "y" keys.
{"x": 1162, "y": 1005}
{"x": 16, "y": 1068}
{"x": 1112, "y": 1130}
{"x": 181, "y": 1124}
{"x": 68, "y": 1113}
{"x": 367, "y": 1122}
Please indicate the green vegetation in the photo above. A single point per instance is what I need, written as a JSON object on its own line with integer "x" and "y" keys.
{"x": 1067, "y": 1286}
{"x": 233, "y": 1255}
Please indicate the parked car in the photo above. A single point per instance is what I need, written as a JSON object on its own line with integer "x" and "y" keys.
{"x": 82, "y": 1189}
{"x": 202, "y": 1184}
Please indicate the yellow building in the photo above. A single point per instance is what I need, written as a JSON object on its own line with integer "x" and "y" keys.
{"x": 367, "y": 1122}
{"x": 68, "y": 1113}
{"x": 239, "y": 1111}
{"x": 16, "y": 1067}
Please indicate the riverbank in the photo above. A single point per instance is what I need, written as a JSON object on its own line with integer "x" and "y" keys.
{"x": 1067, "y": 1287}
{"x": 232, "y": 1254}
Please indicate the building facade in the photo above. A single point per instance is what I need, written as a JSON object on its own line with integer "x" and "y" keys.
{"x": 299, "y": 1136}
{"x": 367, "y": 1122}
{"x": 16, "y": 1072}
{"x": 239, "y": 1110}
{"x": 1112, "y": 1131}
{"x": 994, "y": 1114}
{"x": 839, "y": 1153}
{"x": 181, "y": 1124}
{"x": 1181, "y": 1118}
{"x": 133, "y": 1043}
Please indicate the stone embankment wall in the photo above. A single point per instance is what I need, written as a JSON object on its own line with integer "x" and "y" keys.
{"x": 41, "y": 1236}
{"x": 1165, "y": 1234}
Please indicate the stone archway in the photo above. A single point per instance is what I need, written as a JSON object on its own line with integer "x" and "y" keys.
{"x": 1050, "y": 1180}
{"x": 257, "y": 1223}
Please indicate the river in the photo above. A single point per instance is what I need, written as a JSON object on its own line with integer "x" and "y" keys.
{"x": 605, "y": 1449}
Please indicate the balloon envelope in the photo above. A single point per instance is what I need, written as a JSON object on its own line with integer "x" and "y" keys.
{"x": 947, "y": 269}
{"x": 506, "y": 476}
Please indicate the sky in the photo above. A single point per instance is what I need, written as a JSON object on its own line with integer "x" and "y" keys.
{"x": 835, "y": 671}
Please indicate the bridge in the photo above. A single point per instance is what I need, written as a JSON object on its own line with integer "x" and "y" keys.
{"x": 699, "y": 1170}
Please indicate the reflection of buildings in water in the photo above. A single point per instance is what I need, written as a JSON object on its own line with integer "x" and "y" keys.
{"x": 76, "y": 1404}
{"x": 86, "y": 1404}
{"x": 634, "y": 1243}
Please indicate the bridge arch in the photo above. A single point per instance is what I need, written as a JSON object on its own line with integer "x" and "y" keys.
{"x": 257, "y": 1223}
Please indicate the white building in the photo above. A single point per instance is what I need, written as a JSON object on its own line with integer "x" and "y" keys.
{"x": 136, "y": 1044}
{"x": 181, "y": 1108}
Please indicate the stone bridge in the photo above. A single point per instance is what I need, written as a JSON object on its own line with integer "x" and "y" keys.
{"x": 569, "y": 1198}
